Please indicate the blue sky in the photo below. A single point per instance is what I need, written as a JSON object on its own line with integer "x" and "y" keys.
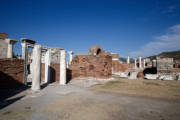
{"x": 126, "y": 27}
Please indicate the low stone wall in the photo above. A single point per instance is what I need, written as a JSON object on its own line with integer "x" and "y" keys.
{"x": 91, "y": 66}
{"x": 121, "y": 67}
{"x": 11, "y": 73}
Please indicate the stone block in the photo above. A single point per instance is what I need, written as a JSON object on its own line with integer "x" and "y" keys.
{"x": 166, "y": 77}
{"x": 151, "y": 76}
{"x": 133, "y": 75}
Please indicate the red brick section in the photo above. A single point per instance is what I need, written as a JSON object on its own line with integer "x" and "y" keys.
{"x": 55, "y": 71}
{"x": 11, "y": 73}
{"x": 3, "y": 35}
{"x": 91, "y": 66}
{"x": 42, "y": 72}
{"x": 54, "y": 75}
{"x": 121, "y": 67}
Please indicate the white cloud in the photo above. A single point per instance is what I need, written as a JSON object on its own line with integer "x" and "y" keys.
{"x": 168, "y": 42}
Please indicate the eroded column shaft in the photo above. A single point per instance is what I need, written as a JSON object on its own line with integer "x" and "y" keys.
{"x": 62, "y": 80}
{"x": 36, "y": 73}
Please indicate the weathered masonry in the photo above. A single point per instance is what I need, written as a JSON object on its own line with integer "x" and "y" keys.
{"x": 6, "y": 46}
{"x": 38, "y": 64}
{"x": 96, "y": 64}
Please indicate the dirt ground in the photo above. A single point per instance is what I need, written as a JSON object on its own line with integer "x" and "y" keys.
{"x": 149, "y": 88}
{"x": 120, "y": 99}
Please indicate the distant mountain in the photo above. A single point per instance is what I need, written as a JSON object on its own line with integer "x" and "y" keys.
{"x": 125, "y": 59}
{"x": 172, "y": 54}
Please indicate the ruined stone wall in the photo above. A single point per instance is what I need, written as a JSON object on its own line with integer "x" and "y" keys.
{"x": 91, "y": 66}
{"x": 54, "y": 74}
{"x": 11, "y": 73}
{"x": 164, "y": 64}
{"x": 121, "y": 67}
{"x": 3, "y": 35}
{"x": 3, "y": 49}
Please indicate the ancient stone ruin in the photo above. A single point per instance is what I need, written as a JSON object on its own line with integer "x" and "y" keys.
{"x": 96, "y": 63}
{"x": 43, "y": 64}
{"x": 6, "y": 46}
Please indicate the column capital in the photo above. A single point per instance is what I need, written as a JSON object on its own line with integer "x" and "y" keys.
{"x": 70, "y": 52}
{"x": 10, "y": 41}
{"x": 23, "y": 40}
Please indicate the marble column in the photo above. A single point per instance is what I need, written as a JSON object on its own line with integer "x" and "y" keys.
{"x": 10, "y": 51}
{"x": 62, "y": 80}
{"x": 128, "y": 59}
{"x": 36, "y": 73}
{"x": 70, "y": 56}
{"x": 144, "y": 63}
{"x": 47, "y": 65}
{"x": 135, "y": 63}
{"x": 140, "y": 62}
{"x": 154, "y": 64}
{"x": 23, "y": 44}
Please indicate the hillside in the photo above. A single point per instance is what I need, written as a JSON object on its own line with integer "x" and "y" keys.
{"x": 172, "y": 54}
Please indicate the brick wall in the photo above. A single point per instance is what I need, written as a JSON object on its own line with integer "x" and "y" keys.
{"x": 42, "y": 72}
{"x": 11, "y": 73}
{"x": 54, "y": 75}
{"x": 121, "y": 67}
{"x": 90, "y": 66}
{"x": 55, "y": 72}
{"x": 3, "y": 35}
{"x": 3, "y": 49}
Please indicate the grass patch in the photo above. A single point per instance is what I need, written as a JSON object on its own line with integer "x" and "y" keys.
{"x": 150, "y": 88}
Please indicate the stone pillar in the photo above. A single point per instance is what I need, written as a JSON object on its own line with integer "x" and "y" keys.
{"x": 10, "y": 51}
{"x": 135, "y": 63}
{"x": 128, "y": 60}
{"x": 154, "y": 63}
{"x": 140, "y": 62}
{"x": 70, "y": 56}
{"x": 23, "y": 44}
{"x": 10, "y": 43}
{"x": 47, "y": 65}
{"x": 36, "y": 73}
{"x": 144, "y": 63}
{"x": 62, "y": 80}
{"x": 26, "y": 43}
